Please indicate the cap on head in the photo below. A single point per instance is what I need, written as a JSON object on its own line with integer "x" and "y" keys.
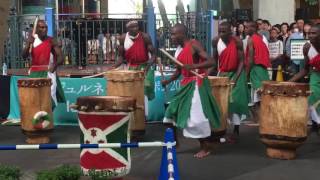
{"x": 133, "y": 22}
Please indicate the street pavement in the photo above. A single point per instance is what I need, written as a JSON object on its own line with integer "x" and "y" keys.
{"x": 243, "y": 160}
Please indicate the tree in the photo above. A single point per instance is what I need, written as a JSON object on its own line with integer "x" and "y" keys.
{"x": 312, "y": 2}
{"x": 163, "y": 14}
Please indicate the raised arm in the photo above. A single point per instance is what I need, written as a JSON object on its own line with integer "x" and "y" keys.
{"x": 215, "y": 55}
{"x": 120, "y": 51}
{"x": 25, "y": 51}
{"x": 197, "y": 50}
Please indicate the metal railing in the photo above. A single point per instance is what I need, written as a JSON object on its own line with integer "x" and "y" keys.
{"x": 88, "y": 39}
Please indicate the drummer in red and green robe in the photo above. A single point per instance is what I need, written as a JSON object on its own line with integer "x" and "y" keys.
{"x": 193, "y": 108}
{"x": 256, "y": 60}
{"x": 46, "y": 57}
{"x": 228, "y": 51}
{"x": 311, "y": 53}
{"x": 137, "y": 49}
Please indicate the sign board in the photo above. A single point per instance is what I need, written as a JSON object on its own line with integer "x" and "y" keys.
{"x": 74, "y": 88}
{"x": 275, "y": 49}
{"x": 296, "y": 46}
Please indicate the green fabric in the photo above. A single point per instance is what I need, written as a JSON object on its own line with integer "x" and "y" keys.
{"x": 14, "y": 98}
{"x": 209, "y": 104}
{"x": 315, "y": 89}
{"x": 257, "y": 75}
{"x": 180, "y": 105}
{"x": 148, "y": 81}
{"x": 239, "y": 98}
{"x": 59, "y": 92}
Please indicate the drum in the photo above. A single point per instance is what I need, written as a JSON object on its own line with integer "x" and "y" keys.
{"x": 283, "y": 117}
{"x": 221, "y": 91}
{"x": 105, "y": 119}
{"x": 129, "y": 83}
{"x": 36, "y": 109}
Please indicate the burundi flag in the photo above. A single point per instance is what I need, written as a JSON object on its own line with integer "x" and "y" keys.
{"x": 105, "y": 127}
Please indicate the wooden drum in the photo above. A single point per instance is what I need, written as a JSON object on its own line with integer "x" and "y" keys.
{"x": 129, "y": 83}
{"x": 36, "y": 109}
{"x": 221, "y": 91}
{"x": 283, "y": 117}
{"x": 105, "y": 119}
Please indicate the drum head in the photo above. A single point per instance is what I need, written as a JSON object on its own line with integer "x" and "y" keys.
{"x": 34, "y": 82}
{"x": 106, "y": 103}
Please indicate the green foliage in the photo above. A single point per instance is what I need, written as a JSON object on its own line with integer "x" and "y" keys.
{"x": 9, "y": 172}
{"x": 46, "y": 175}
{"x": 101, "y": 175}
{"x": 312, "y": 2}
{"x": 64, "y": 172}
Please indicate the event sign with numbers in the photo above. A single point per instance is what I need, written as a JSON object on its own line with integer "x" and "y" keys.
{"x": 297, "y": 48}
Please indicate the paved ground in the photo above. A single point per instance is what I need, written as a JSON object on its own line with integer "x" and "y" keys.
{"x": 244, "y": 160}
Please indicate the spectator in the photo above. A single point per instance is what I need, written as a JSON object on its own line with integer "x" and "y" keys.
{"x": 275, "y": 52}
{"x": 284, "y": 34}
{"x": 265, "y": 29}
{"x": 240, "y": 31}
{"x": 300, "y": 24}
{"x": 306, "y": 29}
{"x": 294, "y": 34}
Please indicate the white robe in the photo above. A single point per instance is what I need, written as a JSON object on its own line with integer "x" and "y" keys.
{"x": 198, "y": 125}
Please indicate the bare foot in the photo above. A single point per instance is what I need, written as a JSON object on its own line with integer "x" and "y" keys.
{"x": 202, "y": 154}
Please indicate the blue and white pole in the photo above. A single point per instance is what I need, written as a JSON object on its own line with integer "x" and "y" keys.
{"x": 84, "y": 146}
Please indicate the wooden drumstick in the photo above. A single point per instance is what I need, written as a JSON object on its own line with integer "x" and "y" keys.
{"x": 162, "y": 76}
{"x": 34, "y": 32}
{"x": 96, "y": 75}
{"x": 178, "y": 62}
{"x": 316, "y": 104}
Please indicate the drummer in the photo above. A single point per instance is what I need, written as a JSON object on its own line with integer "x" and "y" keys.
{"x": 193, "y": 108}
{"x": 311, "y": 53}
{"x": 137, "y": 49}
{"x": 228, "y": 52}
{"x": 46, "y": 57}
{"x": 256, "y": 61}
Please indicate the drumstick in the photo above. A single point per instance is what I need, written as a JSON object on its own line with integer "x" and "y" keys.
{"x": 316, "y": 104}
{"x": 178, "y": 62}
{"x": 99, "y": 74}
{"x": 95, "y": 75}
{"x": 162, "y": 77}
{"x": 34, "y": 31}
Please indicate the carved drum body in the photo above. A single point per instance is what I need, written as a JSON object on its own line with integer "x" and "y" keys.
{"x": 36, "y": 109}
{"x": 283, "y": 118}
{"x": 129, "y": 83}
{"x": 221, "y": 91}
{"x": 105, "y": 119}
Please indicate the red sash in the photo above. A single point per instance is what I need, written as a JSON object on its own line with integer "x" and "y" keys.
{"x": 315, "y": 62}
{"x": 228, "y": 59}
{"x": 185, "y": 57}
{"x": 137, "y": 53}
{"x": 41, "y": 55}
{"x": 261, "y": 52}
